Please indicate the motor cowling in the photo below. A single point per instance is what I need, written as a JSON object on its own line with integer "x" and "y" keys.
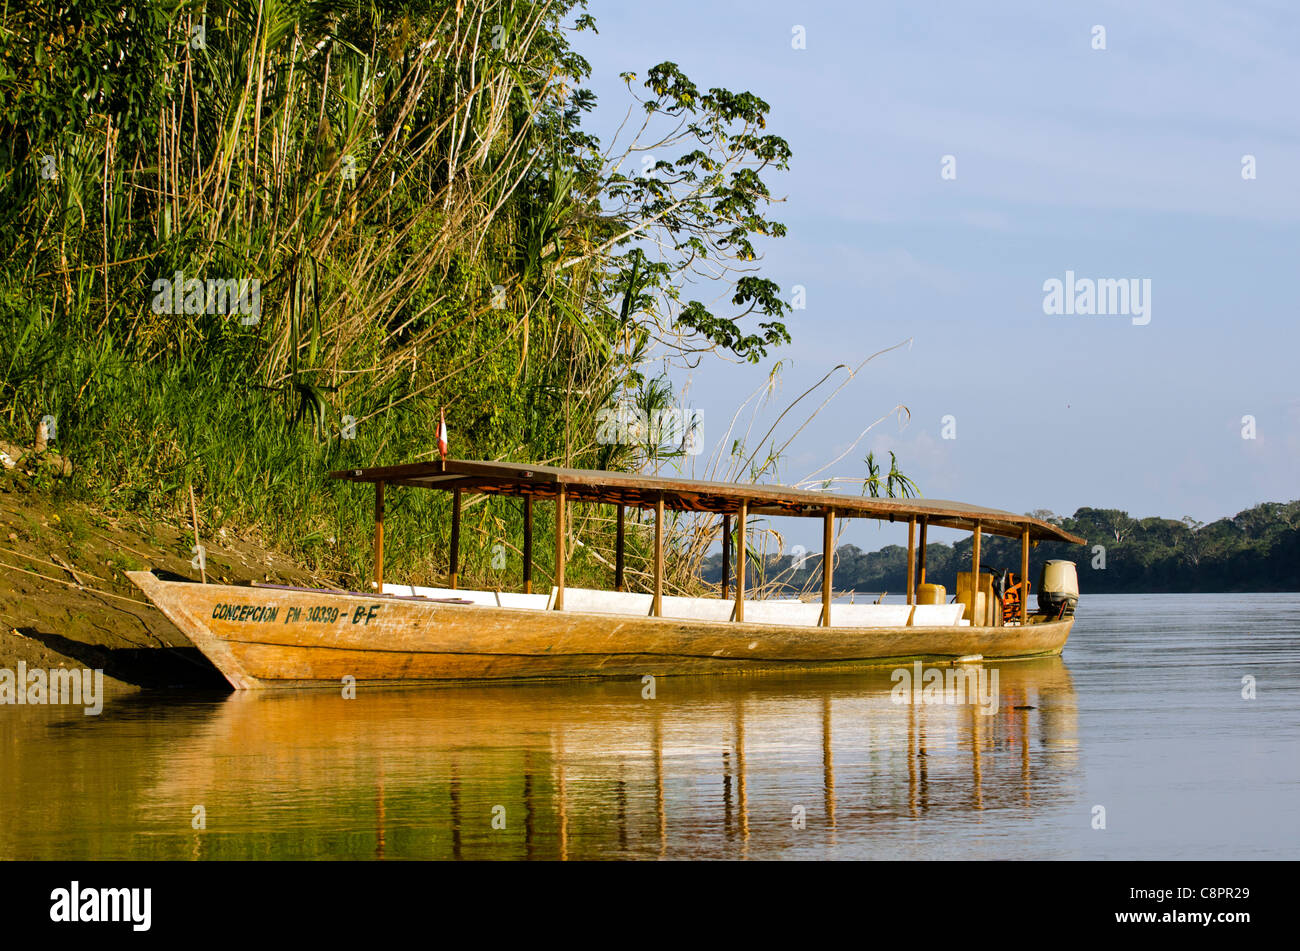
{"x": 1058, "y": 588}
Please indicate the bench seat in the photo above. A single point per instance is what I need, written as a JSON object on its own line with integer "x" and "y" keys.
{"x": 870, "y": 615}
{"x": 937, "y": 615}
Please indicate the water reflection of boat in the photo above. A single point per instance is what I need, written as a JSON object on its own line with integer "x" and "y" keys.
{"x": 715, "y": 768}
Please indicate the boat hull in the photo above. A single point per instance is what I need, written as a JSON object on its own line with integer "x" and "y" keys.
{"x": 263, "y": 638}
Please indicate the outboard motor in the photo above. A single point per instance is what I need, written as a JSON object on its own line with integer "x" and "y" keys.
{"x": 1058, "y": 589}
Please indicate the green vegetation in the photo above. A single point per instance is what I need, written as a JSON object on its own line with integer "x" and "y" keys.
{"x": 1256, "y": 550}
{"x": 249, "y": 242}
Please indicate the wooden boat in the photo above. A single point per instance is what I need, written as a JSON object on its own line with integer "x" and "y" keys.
{"x": 264, "y": 636}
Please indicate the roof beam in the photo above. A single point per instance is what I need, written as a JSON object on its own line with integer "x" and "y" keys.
{"x": 693, "y": 495}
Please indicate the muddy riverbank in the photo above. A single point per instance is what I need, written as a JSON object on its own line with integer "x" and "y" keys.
{"x": 65, "y": 600}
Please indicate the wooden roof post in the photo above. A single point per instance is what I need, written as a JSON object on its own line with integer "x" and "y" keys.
{"x": 528, "y": 544}
{"x": 920, "y": 573}
{"x": 454, "y": 573}
{"x": 975, "y": 620}
{"x": 620, "y": 540}
{"x": 828, "y": 563}
{"x": 559, "y": 550}
{"x": 657, "y": 606}
{"x": 911, "y": 560}
{"x": 378, "y": 583}
{"x": 1024, "y": 576}
{"x": 740, "y": 559}
{"x": 726, "y": 555}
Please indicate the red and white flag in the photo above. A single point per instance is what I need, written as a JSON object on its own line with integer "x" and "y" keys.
{"x": 442, "y": 433}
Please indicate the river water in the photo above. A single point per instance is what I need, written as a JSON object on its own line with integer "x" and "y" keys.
{"x": 1141, "y": 726}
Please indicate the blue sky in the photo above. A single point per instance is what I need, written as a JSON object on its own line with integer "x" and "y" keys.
{"x": 1116, "y": 163}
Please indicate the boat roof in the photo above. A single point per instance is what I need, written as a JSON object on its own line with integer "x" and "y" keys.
{"x": 696, "y": 495}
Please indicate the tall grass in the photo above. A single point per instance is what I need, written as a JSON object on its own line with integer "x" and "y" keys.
{"x": 391, "y": 174}
{"x": 430, "y": 227}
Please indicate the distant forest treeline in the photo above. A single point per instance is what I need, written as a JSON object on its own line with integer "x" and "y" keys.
{"x": 1256, "y": 550}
